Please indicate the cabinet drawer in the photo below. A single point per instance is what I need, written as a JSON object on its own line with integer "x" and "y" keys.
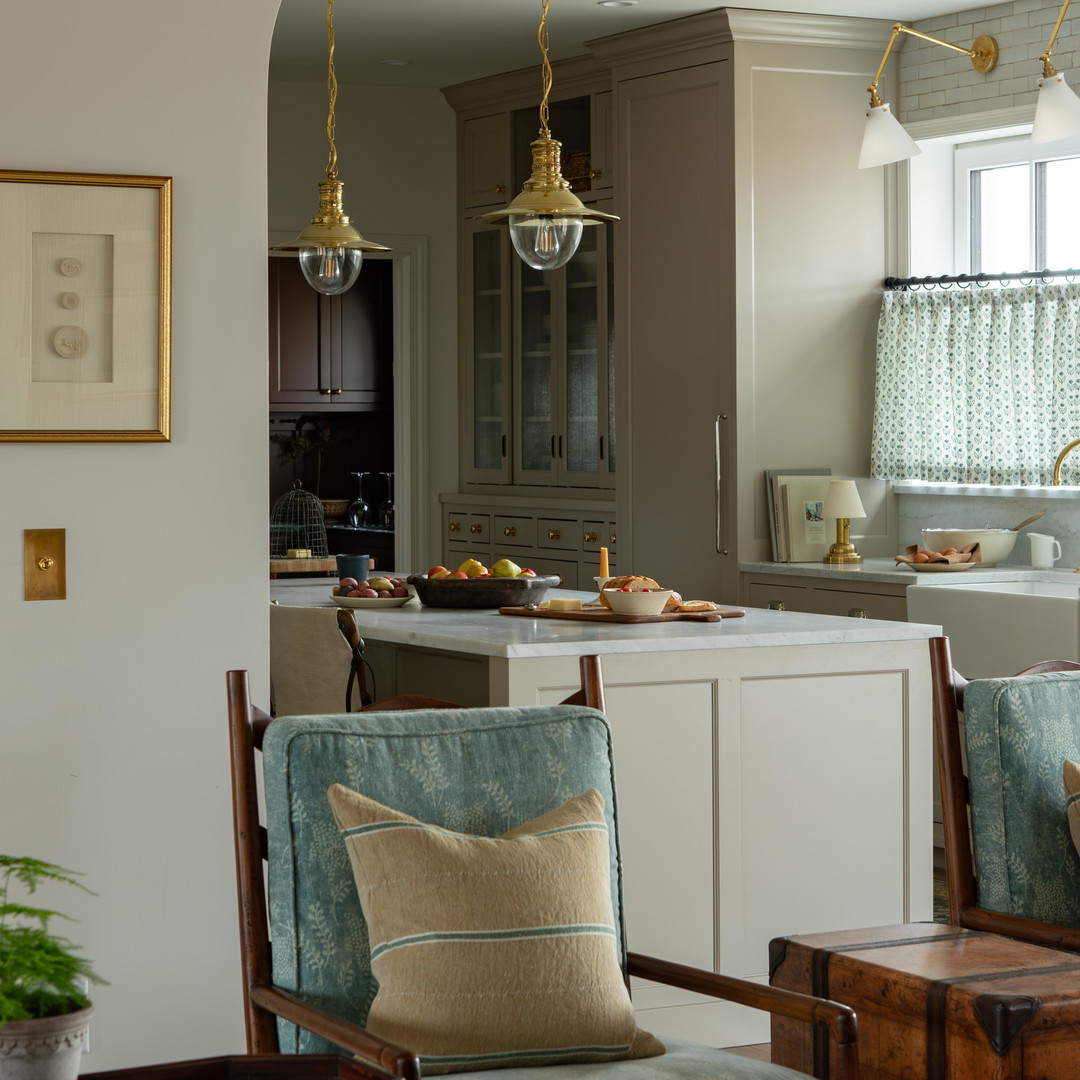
{"x": 786, "y": 597}
{"x": 568, "y": 571}
{"x": 554, "y": 533}
{"x": 594, "y": 535}
{"x": 850, "y": 602}
{"x": 468, "y": 528}
{"x": 514, "y": 532}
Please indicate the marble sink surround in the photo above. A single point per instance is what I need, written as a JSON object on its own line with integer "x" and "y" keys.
{"x": 487, "y": 633}
{"x": 975, "y": 506}
{"x": 886, "y": 571}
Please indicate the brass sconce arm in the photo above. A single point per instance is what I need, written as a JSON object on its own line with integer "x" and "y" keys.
{"x": 1049, "y": 71}
{"x": 983, "y": 54}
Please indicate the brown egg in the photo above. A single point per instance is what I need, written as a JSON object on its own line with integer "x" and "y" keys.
{"x": 921, "y": 557}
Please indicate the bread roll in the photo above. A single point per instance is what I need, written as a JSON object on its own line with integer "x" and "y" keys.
{"x": 697, "y": 605}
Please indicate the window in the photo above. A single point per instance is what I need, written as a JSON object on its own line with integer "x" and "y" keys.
{"x": 1013, "y": 208}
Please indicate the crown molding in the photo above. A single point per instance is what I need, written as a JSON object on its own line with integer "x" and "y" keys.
{"x": 727, "y": 26}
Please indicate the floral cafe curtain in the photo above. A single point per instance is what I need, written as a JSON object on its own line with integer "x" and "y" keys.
{"x": 977, "y": 385}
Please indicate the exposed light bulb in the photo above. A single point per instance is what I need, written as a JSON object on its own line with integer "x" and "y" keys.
{"x": 330, "y": 270}
{"x": 543, "y": 241}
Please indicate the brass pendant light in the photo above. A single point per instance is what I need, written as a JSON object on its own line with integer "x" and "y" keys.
{"x": 546, "y": 219}
{"x": 331, "y": 250}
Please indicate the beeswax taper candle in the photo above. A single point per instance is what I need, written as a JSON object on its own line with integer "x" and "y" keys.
{"x": 604, "y": 563}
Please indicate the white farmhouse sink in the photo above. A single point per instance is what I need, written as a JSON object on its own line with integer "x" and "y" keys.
{"x": 1000, "y": 627}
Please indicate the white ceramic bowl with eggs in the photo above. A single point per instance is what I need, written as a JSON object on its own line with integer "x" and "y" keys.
{"x": 995, "y": 544}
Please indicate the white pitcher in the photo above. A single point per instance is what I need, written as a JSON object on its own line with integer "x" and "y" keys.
{"x": 1045, "y": 551}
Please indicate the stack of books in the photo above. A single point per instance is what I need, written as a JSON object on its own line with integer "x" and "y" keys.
{"x": 795, "y": 500}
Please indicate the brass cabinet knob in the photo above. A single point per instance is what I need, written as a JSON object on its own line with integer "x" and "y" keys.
{"x": 326, "y": 391}
{"x": 777, "y": 605}
{"x": 500, "y": 189}
{"x": 611, "y": 539}
{"x": 590, "y": 538}
{"x": 337, "y": 391}
{"x": 554, "y": 534}
{"x": 455, "y": 526}
{"x": 857, "y": 613}
{"x": 509, "y": 530}
{"x": 476, "y": 528}
{"x": 596, "y": 174}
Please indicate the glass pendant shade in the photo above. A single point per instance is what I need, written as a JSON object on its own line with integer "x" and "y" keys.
{"x": 884, "y": 139}
{"x": 1057, "y": 114}
{"x": 330, "y": 270}
{"x": 543, "y": 241}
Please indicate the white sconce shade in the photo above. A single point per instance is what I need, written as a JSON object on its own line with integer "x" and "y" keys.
{"x": 885, "y": 140}
{"x": 1057, "y": 114}
{"x": 842, "y": 500}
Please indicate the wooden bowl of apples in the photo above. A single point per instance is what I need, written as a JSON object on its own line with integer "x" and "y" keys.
{"x": 473, "y": 585}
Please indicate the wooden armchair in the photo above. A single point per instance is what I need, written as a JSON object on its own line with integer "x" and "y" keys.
{"x": 1012, "y": 868}
{"x": 310, "y": 994}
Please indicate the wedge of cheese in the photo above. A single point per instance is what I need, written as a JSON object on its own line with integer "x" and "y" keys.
{"x": 564, "y": 603}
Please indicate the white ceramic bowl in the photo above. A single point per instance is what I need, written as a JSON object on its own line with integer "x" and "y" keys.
{"x": 996, "y": 544}
{"x": 644, "y": 602}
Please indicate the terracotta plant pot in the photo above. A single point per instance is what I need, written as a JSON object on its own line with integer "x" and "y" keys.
{"x": 48, "y": 1049}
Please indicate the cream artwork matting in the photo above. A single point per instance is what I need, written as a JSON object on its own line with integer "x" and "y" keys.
{"x": 85, "y": 306}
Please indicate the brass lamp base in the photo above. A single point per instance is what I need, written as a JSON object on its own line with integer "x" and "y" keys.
{"x": 843, "y": 551}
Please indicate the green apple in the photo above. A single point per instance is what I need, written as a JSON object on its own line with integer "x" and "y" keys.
{"x": 380, "y": 583}
{"x": 505, "y": 568}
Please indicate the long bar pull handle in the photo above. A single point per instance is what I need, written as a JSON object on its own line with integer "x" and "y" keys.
{"x": 720, "y": 548}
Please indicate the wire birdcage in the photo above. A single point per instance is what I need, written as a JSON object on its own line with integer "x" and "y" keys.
{"x": 296, "y": 522}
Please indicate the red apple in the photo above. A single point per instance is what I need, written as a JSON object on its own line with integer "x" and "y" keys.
{"x": 437, "y": 571}
{"x": 457, "y": 574}
{"x": 526, "y": 572}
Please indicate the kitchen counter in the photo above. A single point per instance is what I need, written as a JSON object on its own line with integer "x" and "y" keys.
{"x": 888, "y": 572}
{"x": 741, "y": 747}
{"x": 487, "y": 633}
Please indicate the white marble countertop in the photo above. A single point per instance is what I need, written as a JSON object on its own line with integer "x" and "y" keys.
{"x": 887, "y": 571}
{"x": 487, "y": 633}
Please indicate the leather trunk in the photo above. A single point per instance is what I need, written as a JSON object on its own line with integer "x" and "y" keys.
{"x": 934, "y": 1002}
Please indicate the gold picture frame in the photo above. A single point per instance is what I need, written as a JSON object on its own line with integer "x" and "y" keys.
{"x": 85, "y": 307}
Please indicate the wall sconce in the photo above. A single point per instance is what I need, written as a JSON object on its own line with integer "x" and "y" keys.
{"x": 546, "y": 219}
{"x": 884, "y": 140}
{"x": 843, "y": 503}
{"x": 331, "y": 250}
{"x": 1057, "y": 114}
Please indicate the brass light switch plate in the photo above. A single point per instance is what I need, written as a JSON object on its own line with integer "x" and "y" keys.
{"x": 44, "y": 564}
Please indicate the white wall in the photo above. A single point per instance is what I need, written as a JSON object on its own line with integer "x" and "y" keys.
{"x": 113, "y": 750}
{"x": 396, "y": 156}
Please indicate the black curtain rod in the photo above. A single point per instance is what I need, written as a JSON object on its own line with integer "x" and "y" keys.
{"x": 1023, "y": 277}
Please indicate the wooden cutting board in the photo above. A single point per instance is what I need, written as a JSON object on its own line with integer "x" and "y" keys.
{"x": 603, "y": 614}
{"x": 303, "y": 566}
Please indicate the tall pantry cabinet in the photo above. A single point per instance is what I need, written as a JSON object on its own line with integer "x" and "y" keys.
{"x": 748, "y": 268}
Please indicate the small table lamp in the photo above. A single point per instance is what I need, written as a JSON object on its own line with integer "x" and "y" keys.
{"x": 842, "y": 502}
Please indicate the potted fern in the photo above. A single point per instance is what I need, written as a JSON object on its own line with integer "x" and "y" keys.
{"x": 44, "y": 1010}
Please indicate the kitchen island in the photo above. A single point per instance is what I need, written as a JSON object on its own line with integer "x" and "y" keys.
{"x": 774, "y": 770}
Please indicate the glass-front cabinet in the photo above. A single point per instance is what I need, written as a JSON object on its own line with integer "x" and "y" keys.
{"x": 537, "y": 379}
{"x": 564, "y": 369}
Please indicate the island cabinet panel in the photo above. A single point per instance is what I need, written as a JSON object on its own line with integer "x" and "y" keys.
{"x": 762, "y": 792}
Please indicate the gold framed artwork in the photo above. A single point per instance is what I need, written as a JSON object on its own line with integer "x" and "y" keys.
{"x": 85, "y": 291}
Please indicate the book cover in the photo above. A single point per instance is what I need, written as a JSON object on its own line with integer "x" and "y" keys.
{"x": 807, "y": 529}
{"x": 774, "y": 480}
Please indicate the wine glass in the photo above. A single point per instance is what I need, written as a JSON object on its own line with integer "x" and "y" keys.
{"x": 386, "y": 510}
{"x": 358, "y": 511}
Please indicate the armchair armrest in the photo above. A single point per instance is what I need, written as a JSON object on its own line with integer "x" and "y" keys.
{"x": 388, "y": 1060}
{"x": 1062, "y": 938}
{"x": 839, "y": 1020}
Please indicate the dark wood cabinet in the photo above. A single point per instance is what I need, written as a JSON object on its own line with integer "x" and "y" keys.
{"x": 331, "y": 352}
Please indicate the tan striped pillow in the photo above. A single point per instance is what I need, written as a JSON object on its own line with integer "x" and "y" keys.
{"x": 492, "y": 952}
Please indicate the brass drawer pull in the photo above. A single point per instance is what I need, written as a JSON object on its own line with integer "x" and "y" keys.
{"x": 455, "y": 526}
{"x": 476, "y": 528}
{"x": 611, "y": 539}
{"x": 777, "y": 605}
{"x": 326, "y": 391}
{"x": 596, "y": 174}
{"x": 591, "y": 538}
{"x": 554, "y": 534}
{"x": 857, "y": 613}
{"x": 500, "y": 189}
{"x": 509, "y": 530}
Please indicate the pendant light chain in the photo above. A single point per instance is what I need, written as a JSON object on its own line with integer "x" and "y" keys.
{"x": 332, "y": 92}
{"x": 543, "y": 41}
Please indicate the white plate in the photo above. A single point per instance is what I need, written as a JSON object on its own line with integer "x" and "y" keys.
{"x": 371, "y": 601}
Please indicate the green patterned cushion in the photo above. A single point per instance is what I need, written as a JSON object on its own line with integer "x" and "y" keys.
{"x": 461, "y": 769}
{"x": 1018, "y": 733}
{"x": 492, "y": 951}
